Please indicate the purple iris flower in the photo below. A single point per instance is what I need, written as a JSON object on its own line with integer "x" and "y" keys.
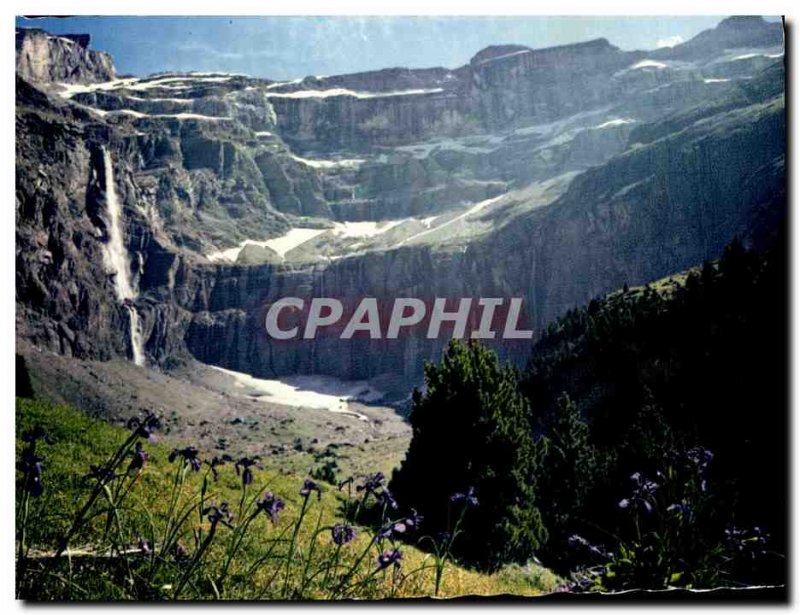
{"x": 140, "y": 456}
{"x": 219, "y": 514}
{"x": 469, "y": 497}
{"x": 342, "y": 533}
{"x": 700, "y": 457}
{"x": 31, "y": 466}
{"x": 409, "y": 523}
{"x": 642, "y": 496}
{"x": 388, "y": 558}
{"x": 189, "y": 456}
{"x": 245, "y": 467}
{"x": 215, "y": 463}
{"x": 145, "y": 426}
{"x": 372, "y": 482}
{"x": 682, "y": 509}
{"x": 385, "y": 498}
{"x": 143, "y": 546}
{"x": 580, "y": 543}
{"x": 270, "y": 506}
{"x": 310, "y": 486}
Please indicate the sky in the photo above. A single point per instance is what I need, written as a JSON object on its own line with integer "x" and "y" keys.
{"x": 293, "y": 47}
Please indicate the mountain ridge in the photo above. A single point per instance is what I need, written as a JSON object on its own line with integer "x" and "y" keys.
{"x": 510, "y": 177}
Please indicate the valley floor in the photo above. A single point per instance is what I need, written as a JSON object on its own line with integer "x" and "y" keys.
{"x": 212, "y": 410}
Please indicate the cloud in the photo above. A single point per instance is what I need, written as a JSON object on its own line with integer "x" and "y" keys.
{"x": 670, "y": 41}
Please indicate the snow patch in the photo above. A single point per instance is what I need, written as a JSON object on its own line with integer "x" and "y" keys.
{"x": 620, "y": 121}
{"x": 329, "y": 164}
{"x": 470, "y": 212}
{"x": 345, "y": 92}
{"x": 506, "y": 55}
{"x": 351, "y": 230}
{"x": 68, "y": 90}
{"x": 281, "y": 245}
{"x": 190, "y": 116}
{"x": 669, "y": 41}
{"x": 320, "y": 392}
{"x": 648, "y": 64}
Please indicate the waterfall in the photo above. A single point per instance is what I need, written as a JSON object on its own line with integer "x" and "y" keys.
{"x": 117, "y": 261}
{"x": 137, "y": 344}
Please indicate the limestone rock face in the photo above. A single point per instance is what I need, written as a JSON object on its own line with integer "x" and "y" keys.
{"x": 554, "y": 175}
{"x": 42, "y": 57}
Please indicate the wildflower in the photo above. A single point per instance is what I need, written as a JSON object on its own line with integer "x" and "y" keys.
{"x": 309, "y": 486}
{"x": 245, "y": 467}
{"x": 385, "y": 498}
{"x": 219, "y": 514}
{"x": 747, "y": 542}
{"x": 372, "y": 483}
{"x": 579, "y": 542}
{"x": 682, "y": 509}
{"x": 387, "y": 558}
{"x": 409, "y": 523}
{"x": 469, "y": 497}
{"x": 189, "y": 455}
{"x": 342, "y": 533}
{"x": 385, "y": 533}
{"x": 140, "y": 456}
{"x": 642, "y": 496}
{"x": 143, "y": 546}
{"x": 32, "y": 468}
{"x": 144, "y": 427}
{"x": 414, "y": 519}
{"x": 270, "y": 506}
{"x": 214, "y": 463}
{"x": 700, "y": 457}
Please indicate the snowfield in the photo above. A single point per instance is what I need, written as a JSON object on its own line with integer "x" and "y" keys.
{"x": 345, "y": 92}
{"x": 281, "y": 245}
{"x": 321, "y": 392}
{"x": 352, "y": 163}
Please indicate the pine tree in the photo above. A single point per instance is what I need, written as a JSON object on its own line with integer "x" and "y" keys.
{"x": 566, "y": 476}
{"x": 471, "y": 429}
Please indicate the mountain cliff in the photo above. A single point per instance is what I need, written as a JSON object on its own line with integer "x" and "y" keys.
{"x": 42, "y": 57}
{"x": 552, "y": 174}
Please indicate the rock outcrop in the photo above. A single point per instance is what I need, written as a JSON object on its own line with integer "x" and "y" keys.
{"x": 45, "y": 58}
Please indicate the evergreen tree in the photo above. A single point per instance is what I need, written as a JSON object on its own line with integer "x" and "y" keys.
{"x": 471, "y": 429}
{"x": 566, "y": 476}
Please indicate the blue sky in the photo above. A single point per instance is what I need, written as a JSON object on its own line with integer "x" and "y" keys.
{"x": 290, "y": 47}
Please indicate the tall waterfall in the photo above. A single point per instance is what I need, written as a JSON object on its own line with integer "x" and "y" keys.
{"x": 117, "y": 261}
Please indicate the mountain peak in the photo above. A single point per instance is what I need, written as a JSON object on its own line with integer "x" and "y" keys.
{"x": 742, "y": 21}
{"x": 497, "y": 52}
{"x": 733, "y": 32}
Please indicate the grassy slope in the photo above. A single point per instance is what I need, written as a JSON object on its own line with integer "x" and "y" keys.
{"x": 80, "y": 441}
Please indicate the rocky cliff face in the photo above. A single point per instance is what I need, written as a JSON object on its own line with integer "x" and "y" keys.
{"x": 42, "y": 57}
{"x": 553, "y": 175}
